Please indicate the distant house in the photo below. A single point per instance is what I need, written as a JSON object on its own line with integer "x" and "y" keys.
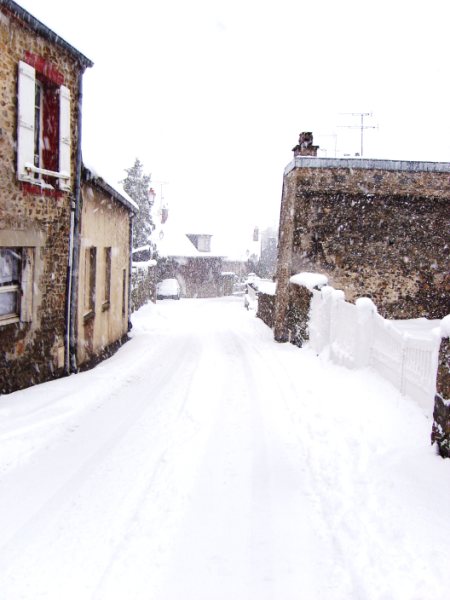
{"x": 40, "y": 168}
{"x": 103, "y": 299}
{"x": 188, "y": 258}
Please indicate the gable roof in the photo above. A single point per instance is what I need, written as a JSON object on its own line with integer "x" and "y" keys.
{"x": 172, "y": 242}
{"x": 45, "y": 31}
{"x": 89, "y": 175}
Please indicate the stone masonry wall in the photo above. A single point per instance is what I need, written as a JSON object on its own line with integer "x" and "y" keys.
{"x": 297, "y": 316}
{"x": 266, "y": 306}
{"x": 143, "y": 286}
{"x": 441, "y": 426}
{"x": 376, "y": 232}
{"x": 34, "y": 351}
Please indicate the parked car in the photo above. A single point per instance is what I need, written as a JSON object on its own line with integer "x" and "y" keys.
{"x": 168, "y": 288}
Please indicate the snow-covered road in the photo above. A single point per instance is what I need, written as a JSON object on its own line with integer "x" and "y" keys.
{"x": 206, "y": 462}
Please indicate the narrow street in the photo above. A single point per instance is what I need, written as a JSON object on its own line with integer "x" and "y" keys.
{"x": 206, "y": 462}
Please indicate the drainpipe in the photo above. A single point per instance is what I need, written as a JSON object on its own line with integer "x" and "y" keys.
{"x": 74, "y": 245}
{"x": 130, "y": 269}
{"x": 69, "y": 287}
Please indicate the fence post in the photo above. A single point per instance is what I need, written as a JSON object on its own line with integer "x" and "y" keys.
{"x": 327, "y": 302}
{"x": 405, "y": 337}
{"x": 337, "y": 297}
{"x": 366, "y": 310}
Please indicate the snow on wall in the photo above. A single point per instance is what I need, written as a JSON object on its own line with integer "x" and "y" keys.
{"x": 309, "y": 280}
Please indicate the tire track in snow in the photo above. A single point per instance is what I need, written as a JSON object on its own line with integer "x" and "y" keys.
{"x": 63, "y": 501}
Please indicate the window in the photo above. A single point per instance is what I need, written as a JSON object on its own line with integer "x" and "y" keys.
{"x": 90, "y": 259}
{"x": 107, "y": 295}
{"x": 38, "y": 125}
{"x": 43, "y": 128}
{"x": 10, "y": 271}
{"x": 16, "y": 284}
{"x": 124, "y": 292}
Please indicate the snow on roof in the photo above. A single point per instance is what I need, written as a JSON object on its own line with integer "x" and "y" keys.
{"x": 173, "y": 241}
{"x": 144, "y": 264}
{"x": 115, "y": 189}
{"x": 142, "y": 248}
{"x": 46, "y": 32}
{"x": 309, "y": 280}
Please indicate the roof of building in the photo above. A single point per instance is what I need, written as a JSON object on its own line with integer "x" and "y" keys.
{"x": 45, "y": 31}
{"x": 367, "y": 163}
{"x": 90, "y": 175}
{"x": 172, "y": 241}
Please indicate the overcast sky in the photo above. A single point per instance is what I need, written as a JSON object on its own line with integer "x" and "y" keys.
{"x": 211, "y": 95}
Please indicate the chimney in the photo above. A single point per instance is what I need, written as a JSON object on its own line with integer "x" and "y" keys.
{"x": 305, "y": 145}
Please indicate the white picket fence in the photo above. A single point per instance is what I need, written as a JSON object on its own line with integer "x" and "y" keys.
{"x": 357, "y": 336}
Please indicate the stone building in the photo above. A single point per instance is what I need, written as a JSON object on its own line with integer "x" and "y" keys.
{"x": 40, "y": 165}
{"x": 376, "y": 228}
{"x": 188, "y": 258}
{"x": 103, "y": 282}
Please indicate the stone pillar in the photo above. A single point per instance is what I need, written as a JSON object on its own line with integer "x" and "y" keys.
{"x": 285, "y": 239}
{"x": 286, "y": 236}
{"x": 441, "y": 415}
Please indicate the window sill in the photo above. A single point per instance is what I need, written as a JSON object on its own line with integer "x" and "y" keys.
{"x": 106, "y": 305}
{"x": 8, "y": 319}
{"x": 88, "y": 316}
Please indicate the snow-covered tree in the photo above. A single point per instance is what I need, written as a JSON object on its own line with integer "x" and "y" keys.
{"x": 137, "y": 185}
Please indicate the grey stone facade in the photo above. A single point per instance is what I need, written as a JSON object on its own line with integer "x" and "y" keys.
{"x": 375, "y": 228}
{"x": 35, "y": 221}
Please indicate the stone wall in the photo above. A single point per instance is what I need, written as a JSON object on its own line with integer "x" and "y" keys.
{"x": 375, "y": 228}
{"x": 441, "y": 426}
{"x": 143, "y": 284}
{"x": 33, "y": 351}
{"x": 266, "y": 306}
{"x": 199, "y": 277}
{"x": 297, "y": 315}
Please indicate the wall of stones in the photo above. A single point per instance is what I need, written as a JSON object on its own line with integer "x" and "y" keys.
{"x": 441, "y": 425}
{"x": 143, "y": 285}
{"x": 297, "y": 316}
{"x": 375, "y": 232}
{"x": 199, "y": 277}
{"x": 266, "y": 307}
{"x": 33, "y": 352}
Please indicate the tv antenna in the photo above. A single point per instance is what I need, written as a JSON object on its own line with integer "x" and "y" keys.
{"x": 361, "y": 126}
{"x": 161, "y": 191}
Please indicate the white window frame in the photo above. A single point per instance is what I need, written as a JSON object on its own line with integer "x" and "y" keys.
{"x": 40, "y": 141}
{"x": 26, "y": 169}
{"x": 24, "y": 289}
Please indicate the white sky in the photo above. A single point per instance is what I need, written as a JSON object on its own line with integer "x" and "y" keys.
{"x": 212, "y": 94}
